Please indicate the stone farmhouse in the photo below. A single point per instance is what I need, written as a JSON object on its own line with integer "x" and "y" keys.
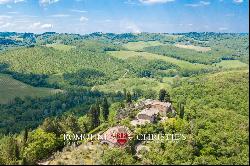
{"x": 151, "y": 109}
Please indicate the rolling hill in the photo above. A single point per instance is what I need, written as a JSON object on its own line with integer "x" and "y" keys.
{"x": 11, "y": 88}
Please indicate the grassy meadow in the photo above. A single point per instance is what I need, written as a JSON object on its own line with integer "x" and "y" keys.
{"x": 231, "y": 64}
{"x": 181, "y": 63}
{"x": 137, "y": 46}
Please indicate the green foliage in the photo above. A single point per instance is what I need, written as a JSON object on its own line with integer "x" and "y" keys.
{"x": 61, "y": 47}
{"x": 226, "y": 90}
{"x": 217, "y": 110}
{"x": 85, "y": 77}
{"x": 61, "y": 125}
{"x": 187, "y": 55}
{"x": 231, "y": 64}
{"x": 168, "y": 153}
{"x": 215, "y": 121}
{"x": 9, "y": 150}
{"x": 122, "y": 157}
{"x": 30, "y": 112}
{"x": 51, "y": 125}
{"x": 236, "y": 44}
{"x": 11, "y": 88}
{"x": 223, "y": 47}
{"x": 53, "y": 63}
{"x": 145, "y": 64}
{"x": 137, "y": 86}
{"x": 70, "y": 123}
{"x": 161, "y": 65}
{"x": 105, "y": 109}
{"x": 181, "y": 109}
{"x": 9, "y": 40}
{"x": 40, "y": 145}
{"x": 164, "y": 95}
{"x": 37, "y": 80}
{"x": 150, "y": 56}
{"x": 138, "y": 46}
{"x": 94, "y": 115}
{"x": 128, "y": 97}
{"x": 149, "y": 68}
{"x": 25, "y": 136}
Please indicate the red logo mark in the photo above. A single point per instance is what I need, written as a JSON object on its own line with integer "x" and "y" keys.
{"x": 122, "y": 138}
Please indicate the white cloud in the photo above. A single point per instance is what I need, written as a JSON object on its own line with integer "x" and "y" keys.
{"x": 2, "y": 17}
{"x": 131, "y": 2}
{"x": 238, "y": 1}
{"x": 128, "y": 26}
{"x": 47, "y": 2}
{"x": 204, "y": 3}
{"x": 155, "y": 1}
{"x": 17, "y": 1}
{"x": 78, "y": 11}
{"x": 5, "y": 1}
{"x": 223, "y": 29}
{"x": 133, "y": 29}
{"x": 83, "y": 19}
{"x": 39, "y": 25}
{"x": 5, "y": 25}
{"x": 13, "y": 12}
{"x": 200, "y": 3}
{"x": 35, "y": 25}
{"x": 46, "y": 26}
{"x": 10, "y": 1}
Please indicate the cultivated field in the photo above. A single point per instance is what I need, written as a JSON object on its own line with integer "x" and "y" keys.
{"x": 232, "y": 64}
{"x": 11, "y": 88}
{"x": 181, "y": 63}
{"x": 192, "y": 47}
{"x": 132, "y": 84}
{"x": 137, "y": 46}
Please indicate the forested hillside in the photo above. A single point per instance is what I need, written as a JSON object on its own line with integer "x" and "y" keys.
{"x": 53, "y": 83}
{"x": 215, "y": 123}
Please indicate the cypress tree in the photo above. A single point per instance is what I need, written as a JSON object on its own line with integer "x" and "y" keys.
{"x": 125, "y": 93}
{"x": 129, "y": 98}
{"x": 162, "y": 94}
{"x": 181, "y": 110}
{"x": 94, "y": 116}
{"x": 105, "y": 109}
{"x": 25, "y": 136}
{"x": 97, "y": 120}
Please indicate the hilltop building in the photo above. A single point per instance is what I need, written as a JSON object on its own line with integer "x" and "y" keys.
{"x": 152, "y": 108}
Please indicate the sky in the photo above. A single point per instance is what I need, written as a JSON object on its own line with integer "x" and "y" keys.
{"x": 121, "y": 16}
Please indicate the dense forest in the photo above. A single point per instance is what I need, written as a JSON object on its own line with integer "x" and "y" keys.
{"x": 100, "y": 77}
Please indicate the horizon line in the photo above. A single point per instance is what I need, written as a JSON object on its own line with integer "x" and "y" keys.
{"x": 70, "y": 33}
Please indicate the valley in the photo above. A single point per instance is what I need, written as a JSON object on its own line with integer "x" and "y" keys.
{"x": 52, "y": 84}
